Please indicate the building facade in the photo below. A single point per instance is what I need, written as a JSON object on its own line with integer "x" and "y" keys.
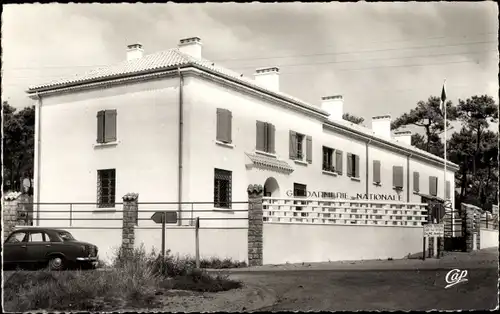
{"x": 175, "y": 127}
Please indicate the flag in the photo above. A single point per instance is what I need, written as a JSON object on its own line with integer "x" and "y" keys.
{"x": 443, "y": 98}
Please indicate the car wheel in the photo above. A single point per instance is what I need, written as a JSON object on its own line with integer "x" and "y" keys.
{"x": 56, "y": 263}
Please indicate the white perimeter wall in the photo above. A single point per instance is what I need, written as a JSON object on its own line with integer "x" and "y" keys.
{"x": 222, "y": 243}
{"x": 488, "y": 238}
{"x": 316, "y": 243}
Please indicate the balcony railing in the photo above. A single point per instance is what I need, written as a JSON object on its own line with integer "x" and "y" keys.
{"x": 343, "y": 212}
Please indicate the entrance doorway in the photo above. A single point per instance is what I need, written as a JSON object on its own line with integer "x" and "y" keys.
{"x": 271, "y": 188}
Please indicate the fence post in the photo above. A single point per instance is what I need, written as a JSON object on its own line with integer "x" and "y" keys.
{"x": 10, "y": 208}
{"x": 255, "y": 225}
{"x": 130, "y": 207}
{"x": 197, "y": 243}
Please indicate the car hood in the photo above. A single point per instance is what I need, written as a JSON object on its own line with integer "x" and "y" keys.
{"x": 80, "y": 243}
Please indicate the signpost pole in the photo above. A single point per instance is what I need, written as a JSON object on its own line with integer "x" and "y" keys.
{"x": 424, "y": 251}
{"x": 197, "y": 239}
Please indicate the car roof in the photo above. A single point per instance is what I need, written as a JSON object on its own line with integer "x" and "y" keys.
{"x": 40, "y": 229}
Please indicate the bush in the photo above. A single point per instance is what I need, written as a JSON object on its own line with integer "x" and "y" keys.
{"x": 132, "y": 282}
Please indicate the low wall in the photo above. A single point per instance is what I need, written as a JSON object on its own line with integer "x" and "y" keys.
{"x": 488, "y": 238}
{"x": 295, "y": 243}
{"x": 222, "y": 243}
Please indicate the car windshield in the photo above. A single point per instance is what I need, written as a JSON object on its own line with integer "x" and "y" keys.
{"x": 66, "y": 236}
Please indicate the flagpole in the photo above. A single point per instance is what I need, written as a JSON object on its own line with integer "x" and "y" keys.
{"x": 445, "y": 156}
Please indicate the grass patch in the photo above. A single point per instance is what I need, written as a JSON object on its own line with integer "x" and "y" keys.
{"x": 131, "y": 282}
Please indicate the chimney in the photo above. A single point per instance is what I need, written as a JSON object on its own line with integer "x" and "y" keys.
{"x": 334, "y": 105}
{"x": 134, "y": 52}
{"x": 403, "y": 137}
{"x": 381, "y": 125}
{"x": 191, "y": 46}
{"x": 268, "y": 78}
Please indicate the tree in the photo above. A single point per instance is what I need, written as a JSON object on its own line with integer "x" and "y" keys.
{"x": 352, "y": 118}
{"x": 428, "y": 116}
{"x": 477, "y": 113}
{"x": 18, "y": 143}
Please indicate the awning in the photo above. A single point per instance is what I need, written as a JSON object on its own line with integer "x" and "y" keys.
{"x": 270, "y": 163}
{"x": 431, "y": 197}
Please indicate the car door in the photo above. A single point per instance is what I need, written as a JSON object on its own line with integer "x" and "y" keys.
{"x": 14, "y": 250}
{"x": 36, "y": 247}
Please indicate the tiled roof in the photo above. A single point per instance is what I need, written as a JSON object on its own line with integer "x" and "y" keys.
{"x": 172, "y": 58}
{"x": 164, "y": 60}
{"x": 369, "y": 132}
{"x": 269, "y": 162}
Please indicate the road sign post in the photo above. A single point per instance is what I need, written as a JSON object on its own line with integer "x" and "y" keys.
{"x": 434, "y": 231}
{"x": 197, "y": 244}
{"x": 164, "y": 217}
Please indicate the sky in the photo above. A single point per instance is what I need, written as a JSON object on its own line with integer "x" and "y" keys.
{"x": 382, "y": 57}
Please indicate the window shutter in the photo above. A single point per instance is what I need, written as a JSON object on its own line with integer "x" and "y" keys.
{"x": 293, "y": 145}
{"x": 224, "y": 118}
{"x": 228, "y": 117}
{"x": 448, "y": 191}
{"x": 397, "y": 176}
{"x": 433, "y": 186}
{"x": 271, "y": 131}
{"x": 416, "y": 181}
{"x": 100, "y": 127}
{"x": 376, "y": 171}
{"x": 219, "y": 136}
{"x": 261, "y": 136}
{"x": 309, "y": 149}
{"x": 356, "y": 166}
{"x": 110, "y": 125}
{"x": 349, "y": 164}
{"x": 338, "y": 161}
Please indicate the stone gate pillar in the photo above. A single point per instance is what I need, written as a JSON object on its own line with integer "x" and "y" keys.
{"x": 9, "y": 208}
{"x": 130, "y": 208}
{"x": 472, "y": 217}
{"x": 255, "y": 225}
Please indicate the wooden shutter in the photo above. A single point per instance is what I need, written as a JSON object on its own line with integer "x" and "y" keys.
{"x": 271, "y": 131}
{"x": 397, "y": 176}
{"x": 338, "y": 161}
{"x": 376, "y": 171}
{"x": 100, "y": 127}
{"x": 224, "y": 118}
{"x": 433, "y": 186}
{"x": 228, "y": 116}
{"x": 356, "y": 166}
{"x": 448, "y": 191}
{"x": 349, "y": 164}
{"x": 416, "y": 181}
{"x": 261, "y": 136}
{"x": 309, "y": 149}
{"x": 110, "y": 125}
{"x": 293, "y": 145}
{"x": 219, "y": 136}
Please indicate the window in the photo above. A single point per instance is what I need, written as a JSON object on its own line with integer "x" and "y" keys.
{"x": 224, "y": 125}
{"x": 297, "y": 149}
{"x": 106, "y": 126}
{"x": 376, "y": 172}
{"x": 299, "y": 190}
{"x": 37, "y": 237}
{"x": 433, "y": 186}
{"x": 352, "y": 165}
{"x": 397, "y": 177}
{"x": 265, "y": 137}
{"x": 328, "y": 159}
{"x": 416, "y": 181}
{"x": 222, "y": 188}
{"x": 17, "y": 237}
{"x": 106, "y": 188}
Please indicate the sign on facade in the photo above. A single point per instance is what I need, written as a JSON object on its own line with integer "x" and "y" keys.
{"x": 433, "y": 230}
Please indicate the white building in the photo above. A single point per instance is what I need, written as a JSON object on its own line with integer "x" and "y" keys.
{"x": 175, "y": 127}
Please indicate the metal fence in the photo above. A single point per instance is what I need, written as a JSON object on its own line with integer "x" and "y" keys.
{"x": 82, "y": 215}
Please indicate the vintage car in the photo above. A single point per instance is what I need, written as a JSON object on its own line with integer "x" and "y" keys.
{"x": 55, "y": 248}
